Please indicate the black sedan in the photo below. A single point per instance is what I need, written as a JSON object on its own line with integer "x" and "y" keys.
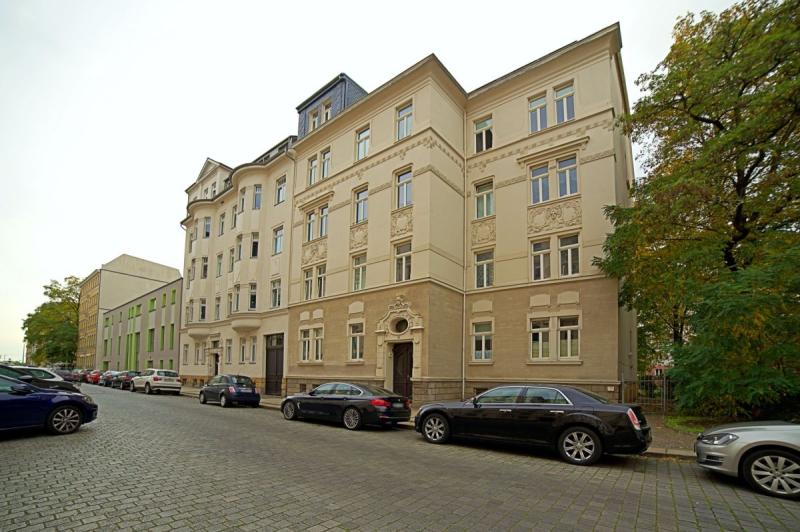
{"x": 580, "y": 425}
{"x": 25, "y": 375}
{"x": 354, "y": 405}
{"x": 229, "y": 390}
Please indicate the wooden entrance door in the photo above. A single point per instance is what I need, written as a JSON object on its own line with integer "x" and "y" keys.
{"x": 274, "y": 377}
{"x": 403, "y": 363}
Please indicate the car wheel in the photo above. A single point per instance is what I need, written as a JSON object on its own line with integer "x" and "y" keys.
{"x": 202, "y": 398}
{"x": 352, "y": 419}
{"x": 774, "y": 472}
{"x": 436, "y": 428}
{"x": 147, "y": 389}
{"x": 580, "y": 446}
{"x": 132, "y": 387}
{"x": 289, "y": 411}
{"x": 64, "y": 420}
{"x": 223, "y": 401}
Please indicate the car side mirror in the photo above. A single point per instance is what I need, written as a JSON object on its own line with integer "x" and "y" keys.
{"x": 21, "y": 389}
{"x": 475, "y": 402}
{"x": 312, "y": 392}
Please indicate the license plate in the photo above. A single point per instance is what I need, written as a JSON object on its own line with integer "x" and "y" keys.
{"x": 172, "y": 380}
{"x": 398, "y": 405}
{"x": 245, "y": 390}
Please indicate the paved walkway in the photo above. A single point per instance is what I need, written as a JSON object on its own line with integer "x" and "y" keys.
{"x": 157, "y": 462}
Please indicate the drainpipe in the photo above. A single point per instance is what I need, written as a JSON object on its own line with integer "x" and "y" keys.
{"x": 465, "y": 232}
{"x": 290, "y": 153}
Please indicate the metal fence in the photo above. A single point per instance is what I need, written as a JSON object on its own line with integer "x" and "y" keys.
{"x": 654, "y": 393}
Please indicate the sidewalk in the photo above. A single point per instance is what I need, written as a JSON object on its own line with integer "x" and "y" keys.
{"x": 666, "y": 442}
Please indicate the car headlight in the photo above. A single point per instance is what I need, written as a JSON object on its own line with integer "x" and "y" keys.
{"x": 723, "y": 438}
{"x": 88, "y": 399}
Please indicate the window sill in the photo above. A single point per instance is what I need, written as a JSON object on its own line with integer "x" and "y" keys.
{"x": 550, "y": 201}
{"x": 362, "y": 222}
{"x": 355, "y": 362}
{"x": 554, "y": 362}
{"x": 484, "y": 218}
{"x": 481, "y": 362}
{"x": 310, "y": 362}
{"x": 403, "y": 208}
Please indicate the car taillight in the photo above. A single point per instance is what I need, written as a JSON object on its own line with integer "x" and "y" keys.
{"x": 231, "y": 389}
{"x": 156, "y": 378}
{"x": 634, "y": 419}
{"x": 380, "y": 402}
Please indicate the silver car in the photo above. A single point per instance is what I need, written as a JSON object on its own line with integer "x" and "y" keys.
{"x": 766, "y": 454}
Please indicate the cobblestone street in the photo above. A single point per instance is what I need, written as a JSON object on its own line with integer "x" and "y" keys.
{"x": 166, "y": 463}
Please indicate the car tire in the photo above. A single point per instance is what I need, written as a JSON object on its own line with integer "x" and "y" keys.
{"x": 580, "y": 446}
{"x": 436, "y": 428}
{"x": 289, "y": 411}
{"x": 64, "y": 420}
{"x": 132, "y": 388}
{"x": 202, "y": 398}
{"x": 352, "y": 418}
{"x": 147, "y": 389}
{"x": 223, "y": 401}
{"x": 764, "y": 471}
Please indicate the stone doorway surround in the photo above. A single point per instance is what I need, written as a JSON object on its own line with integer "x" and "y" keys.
{"x": 399, "y": 324}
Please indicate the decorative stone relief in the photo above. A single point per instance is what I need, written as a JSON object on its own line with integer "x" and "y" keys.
{"x": 540, "y": 300}
{"x": 315, "y": 251}
{"x": 549, "y": 217}
{"x": 483, "y": 305}
{"x": 305, "y": 315}
{"x": 356, "y": 307}
{"x": 317, "y": 314}
{"x": 358, "y": 236}
{"x": 402, "y": 222}
{"x": 399, "y": 308}
{"x": 483, "y": 231}
{"x": 569, "y": 297}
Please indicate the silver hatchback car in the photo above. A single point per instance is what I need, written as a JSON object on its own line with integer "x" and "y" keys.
{"x": 766, "y": 454}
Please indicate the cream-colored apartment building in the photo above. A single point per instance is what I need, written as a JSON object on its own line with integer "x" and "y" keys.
{"x": 114, "y": 283}
{"x": 430, "y": 240}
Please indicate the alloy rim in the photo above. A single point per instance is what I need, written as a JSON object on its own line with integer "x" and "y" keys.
{"x": 777, "y": 474}
{"x": 579, "y": 446}
{"x": 351, "y": 418}
{"x": 434, "y": 428}
{"x": 223, "y": 401}
{"x": 288, "y": 410}
{"x": 66, "y": 420}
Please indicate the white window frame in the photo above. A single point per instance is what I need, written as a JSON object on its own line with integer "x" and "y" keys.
{"x": 277, "y": 240}
{"x": 319, "y": 343}
{"x": 321, "y": 279}
{"x": 314, "y": 120}
{"x": 256, "y": 197}
{"x": 308, "y": 284}
{"x": 541, "y": 258}
{"x": 403, "y": 188}
{"x": 402, "y": 259}
{"x": 312, "y": 170}
{"x": 305, "y": 345}
{"x": 275, "y": 293}
{"x": 221, "y": 230}
{"x": 202, "y": 309}
{"x": 481, "y": 127}
{"x": 564, "y": 97}
{"x": 484, "y": 200}
{"x": 537, "y": 113}
{"x": 311, "y": 223}
{"x": 569, "y": 255}
{"x": 253, "y": 349}
{"x": 204, "y": 267}
{"x": 569, "y": 333}
{"x": 361, "y": 205}
{"x": 237, "y": 294}
{"x": 484, "y": 268}
{"x": 231, "y": 259}
{"x": 238, "y": 248}
{"x": 544, "y": 350}
{"x": 404, "y": 120}
{"x": 254, "y": 245}
{"x": 325, "y": 156}
{"x": 228, "y": 351}
{"x": 356, "y": 340}
{"x": 564, "y": 176}
{"x": 217, "y": 308}
{"x": 242, "y": 350}
{"x": 206, "y": 226}
{"x": 540, "y": 183}
{"x": 323, "y": 221}
{"x": 280, "y": 190}
{"x": 484, "y": 354}
{"x": 362, "y": 143}
{"x": 326, "y": 112}
{"x": 252, "y": 300}
{"x": 359, "y": 272}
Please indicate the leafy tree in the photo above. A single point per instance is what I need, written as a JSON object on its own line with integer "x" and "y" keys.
{"x": 53, "y": 326}
{"x": 718, "y": 215}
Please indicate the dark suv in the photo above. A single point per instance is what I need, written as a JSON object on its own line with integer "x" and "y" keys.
{"x": 25, "y": 376}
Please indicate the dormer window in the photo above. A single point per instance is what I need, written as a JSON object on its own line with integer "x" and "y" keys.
{"x": 326, "y": 112}
{"x": 314, "y": 122}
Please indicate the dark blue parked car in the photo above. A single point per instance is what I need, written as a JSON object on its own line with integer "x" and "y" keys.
{"x": 23, "y": 405}
{"x": 229, "y": 390}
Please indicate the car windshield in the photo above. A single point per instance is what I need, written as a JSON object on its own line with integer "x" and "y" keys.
{"x": 374, "y": 390}
{"x": 241, "y": 381}
{"x": 168, "y": 373}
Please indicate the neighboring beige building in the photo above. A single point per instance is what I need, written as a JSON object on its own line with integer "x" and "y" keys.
{"x": 115, "y": 282}
{"x": 433, "y": 241}
{"x": 143, "y": 332}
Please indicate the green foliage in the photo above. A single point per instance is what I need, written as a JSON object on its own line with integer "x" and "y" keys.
{"x": 53, "y": 327}
{"x": 717, "y": 218}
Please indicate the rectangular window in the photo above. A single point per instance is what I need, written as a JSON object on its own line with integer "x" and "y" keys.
{"x": 402, "y": 255}
{"x": 308, "y": 284}
{"x": 568, "y": 344}
{"x": 185, "y": 353}
{"x": 404, "y": 120}
{"x": 305, "y": 345}
{"x": 404, "y": 189}
{"x": 569, "y": 252}
{"x": 163, "y": 304}
{"x": 233, "y": 217}
{"x": 483, "y": 135}
{"x": 314, "y": 120}
{"x": 236, "y": 297}
{"x": 253, "y": 291}
{"x": 323, "y": 221}
{"x": 204, "y": 268}
{"x": 326, "y": 112}
{"x": 172, "y": 296}
{"x": 228, "y": 351}
{"x": 151, "y": 304}
{"x": 321, "y": 269}
{"x": 161, "y": 340}
{"x": 213, "y": 189}
{"x": 253, "y": 349}
{"x": 202, "y": 309}
{"x": 242, "y": 350}
{"x": 567, "y": 177}
{"x": 172, "y": 336}
{"x": 565, "y": 104}
{"x": 275, "y": 293}
{"x": 484, "y": 200}
{"x": 257, "y": 197}
{"x": 311, "y": 221}
{"x": 540, "y": 339}
{"x": 318, "y": 341}
{"x": 540, "y": 184}
{"x": 277, "y": 240}
{"x": 231, "y": 258}
{"x": 357, "y": 341}
{"x": 482, "y": 345}
{"x": 230, "y": 304}
{"x": 239, "y": 248}
{"x": 219, "y": 265}
{"x": 312, "y": 170}
{"x": 217, "y": 305}
{"x": 537, "y": 108}
{"x": 361, "y": 205}
{"x": 541, "y": 260}
{"x": 192, "y": 270}
{"x": 484, "y": 269}
{"x": 242, "y": 195}
{"x": 207, "y": 227}
{"x": 326, "y": 164}
{"x": 359, "y": 272}
{"x": 254, "y": 245}
{"x": 362, "y": 144}
{"x": 280, "y": 190}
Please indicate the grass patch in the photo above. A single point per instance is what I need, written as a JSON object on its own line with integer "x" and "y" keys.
{"x": 691, "y": 424}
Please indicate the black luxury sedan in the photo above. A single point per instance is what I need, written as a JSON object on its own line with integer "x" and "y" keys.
{"x": 354, "y": 405}
{"x": 580, "y": 425}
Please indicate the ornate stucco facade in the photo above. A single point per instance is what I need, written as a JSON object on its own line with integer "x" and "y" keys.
{"x": 434, "y": 241}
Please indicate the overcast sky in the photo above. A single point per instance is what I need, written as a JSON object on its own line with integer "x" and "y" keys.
{"x": 109, "y": 108}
